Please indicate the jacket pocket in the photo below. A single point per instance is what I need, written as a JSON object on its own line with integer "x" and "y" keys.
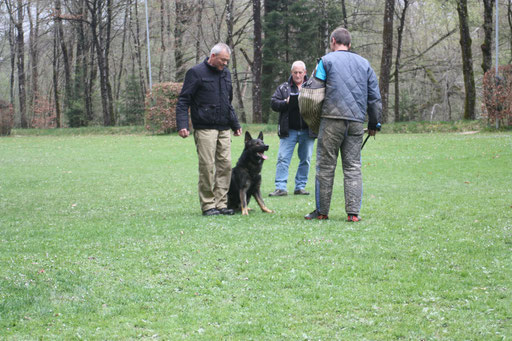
{"x": 208, "y": 83}
{"x": 206, "y": 114}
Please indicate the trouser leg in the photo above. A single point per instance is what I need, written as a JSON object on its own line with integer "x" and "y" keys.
{"x": 206, "y": 144}
{"x": 351, "y": 161}
{"x": 304, "y": 151}
{"x": 284, "y": 156}
{"x": 330, "y": 138}
{"x": 223, "y": 169}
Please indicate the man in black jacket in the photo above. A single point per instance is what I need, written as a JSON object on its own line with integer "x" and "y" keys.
{"x": 208, "y": 92}
{"x": 292, "y": 130}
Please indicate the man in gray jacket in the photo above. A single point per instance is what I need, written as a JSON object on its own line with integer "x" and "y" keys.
{"x": 352, "y": 90}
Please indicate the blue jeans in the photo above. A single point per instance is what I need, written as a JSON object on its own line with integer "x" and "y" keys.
{"x": 284, "y": 156}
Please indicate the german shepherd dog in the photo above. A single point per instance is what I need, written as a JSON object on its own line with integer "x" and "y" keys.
{"x": 246, "y": 176}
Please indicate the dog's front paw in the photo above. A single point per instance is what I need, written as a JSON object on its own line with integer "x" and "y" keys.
{"x": 245, "y": 211}
{"x": 267, "y": 210}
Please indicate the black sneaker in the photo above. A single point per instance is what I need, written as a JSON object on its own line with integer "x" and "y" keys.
{"x": 226, "y": 211}
{"x": 278, "y": 193}
{"x": 211, "y": 211}
{"x": 316, "y": 215}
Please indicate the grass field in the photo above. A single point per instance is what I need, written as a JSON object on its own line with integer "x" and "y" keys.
{"x": 101, "y": 237}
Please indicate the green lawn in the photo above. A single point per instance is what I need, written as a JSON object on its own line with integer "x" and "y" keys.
{"x": 101, "y": 237}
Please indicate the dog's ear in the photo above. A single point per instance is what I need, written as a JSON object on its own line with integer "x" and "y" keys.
{"x": 248, "y": 137}
{"x": 260, "y": 136}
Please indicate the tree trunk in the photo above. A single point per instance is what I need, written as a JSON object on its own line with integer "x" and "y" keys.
{"x": 256, "y": 65}
{"x": 509, "y": 17}
{"x": 397, "y": 61}
{"x": 387, "y": 54}
{"x": 101, "y": 54}
{"x": 162, "y": 42}
{"x": 344, "y": 14}
{"x": 487, "y": 45}
{"x": 324, "y": 29}
{"x": 93, "y": 74}
{"x": 138, "y": 52}
{"x": 12, "y": 46}
{"x": 229, "y": 40}
{"x": 65, "y": 55}
{"x": 108, "y": 40}
{"x": 20, "y": 61}
{"x": 55, "y": 69}
{"x": 199, "y": 30}
{"x": 467, "y": 61}
{"x": 123, "y": 44}
{"x": 34, "y": 54}
{"x": 183, "y": 14}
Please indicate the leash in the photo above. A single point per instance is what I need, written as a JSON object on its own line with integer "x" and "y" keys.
{"x": 366, "y": 139}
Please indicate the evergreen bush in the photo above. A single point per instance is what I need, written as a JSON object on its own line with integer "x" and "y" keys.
{"x": 6, "y": 118}
{"x": 132, "y": 106}
{"x": 161, "y": 107}
{"x": 75, "y": 113}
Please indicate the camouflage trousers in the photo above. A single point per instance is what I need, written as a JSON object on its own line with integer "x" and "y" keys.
{"x": 337, "y": 135}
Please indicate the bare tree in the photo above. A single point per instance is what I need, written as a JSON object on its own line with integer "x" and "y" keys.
{"x": 467, "y": 60}
{"x": 256, "y": 64}
{"x": 65, "y": 55}
{"x": 233, "y": 39}
{"x": 344, "y": 14}
{"x": 138, "y": 48}
{"x": 199, "y": 29}
{"x": 55, "y": 74}
{"x": 101, "y": 38}
{"x": 397, "y": 59}
{"x": 324, "y": 29}
{"x": 509, "y": 17}
{"x": 12, "y": 46}
{"x": 85, "y": 72}
{"x": 34, "y": 52}
{"x": 162, "y": 42}
{"x": 123, "y": 48}
{"x": 20, "y": 56}
{"x": 183, "y": 16}
{"x": 487, "y": 44}
{"x": 387, "y": 54}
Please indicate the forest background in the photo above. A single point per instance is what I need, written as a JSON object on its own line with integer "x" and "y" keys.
{"x": 85, "y": 62}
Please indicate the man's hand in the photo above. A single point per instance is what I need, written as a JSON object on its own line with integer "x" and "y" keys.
{"x": 238, "y": 132}
{"x": 184, "y": 132}
{"x": 373, "y": 129}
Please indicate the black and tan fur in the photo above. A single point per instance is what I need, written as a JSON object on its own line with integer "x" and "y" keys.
{"x": 246, "y": 176}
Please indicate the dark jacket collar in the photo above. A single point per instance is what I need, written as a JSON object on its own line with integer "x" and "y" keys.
{"x": 212, "y": 68}
{"x": 291, "y": 83}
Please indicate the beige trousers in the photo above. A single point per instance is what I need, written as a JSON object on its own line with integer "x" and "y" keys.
{"x": 214, "y": 156}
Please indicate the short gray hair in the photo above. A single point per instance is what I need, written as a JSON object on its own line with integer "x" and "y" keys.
{"x": 219, "y": 47}
{"x": 299, "y": 63}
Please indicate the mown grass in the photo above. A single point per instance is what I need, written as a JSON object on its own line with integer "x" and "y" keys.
{"x": 101, "y": 237}
{"x": 413, "y": 127}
